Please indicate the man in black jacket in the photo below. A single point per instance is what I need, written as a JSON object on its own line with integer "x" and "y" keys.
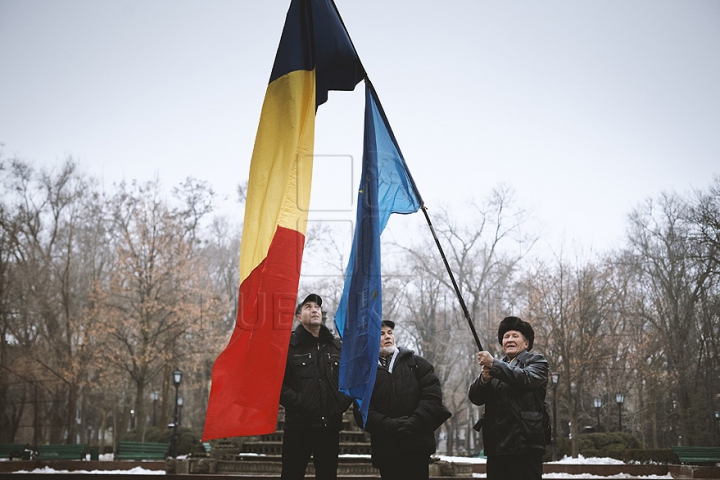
{"x": 313, "y": 404}
{"x": 513, "y": 392}
{"x": 405, "y": 409}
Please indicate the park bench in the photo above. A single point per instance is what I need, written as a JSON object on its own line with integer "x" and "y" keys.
{"x": 61, "y": 452}
{"x": 697, "y": 455}
{"x": 141, "y": 451}
{"x": 11, "y": 450}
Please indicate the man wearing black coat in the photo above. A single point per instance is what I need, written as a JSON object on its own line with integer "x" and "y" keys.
{"x": 313, "y": 404}
{"x": 513, "y": 392}
{"x": 405, "y": 409}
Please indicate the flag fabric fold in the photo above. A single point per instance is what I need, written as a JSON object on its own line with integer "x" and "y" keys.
{"x": 315, "y": 55}
{"x": 386, "y": 187}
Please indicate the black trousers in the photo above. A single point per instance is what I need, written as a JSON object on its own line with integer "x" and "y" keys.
{"x": 406, "y": 466}
{"x": 301, "y": 443}
{"x": 515, "y": 467}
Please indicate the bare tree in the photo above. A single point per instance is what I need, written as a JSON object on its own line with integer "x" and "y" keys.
{"x": 151, "y": 302}
{"x": 577, "y": 322}
{"x": 704, "y": 217}
{"x": 55, "y": 256}
{"x": 673, "y": 282}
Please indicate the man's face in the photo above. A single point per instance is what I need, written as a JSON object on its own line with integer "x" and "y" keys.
{"x": 513, "y": 343}
{"x": 310, "y": 315}
{"x": 387, "y": 338}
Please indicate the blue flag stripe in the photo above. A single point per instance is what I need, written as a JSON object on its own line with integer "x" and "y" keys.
{"x": 386, "y": 187}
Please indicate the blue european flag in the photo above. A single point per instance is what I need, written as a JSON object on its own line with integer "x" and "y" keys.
{"x": 386, "y": 187}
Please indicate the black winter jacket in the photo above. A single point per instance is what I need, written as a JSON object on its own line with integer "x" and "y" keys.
{"x": 513, "y": 401}
{"x": 412, "y": 390}
{"x": 310, "y": 388}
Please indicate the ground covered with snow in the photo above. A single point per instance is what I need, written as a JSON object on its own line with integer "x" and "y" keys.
{"x": 566, "y": 460}
{"x": 587, "y": 475}
{"x": 133, "y": 471}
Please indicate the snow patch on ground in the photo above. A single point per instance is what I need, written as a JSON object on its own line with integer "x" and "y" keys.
{"x": 617, "y": 475}
{"x": 589, "y": 461}
{"x": 132, "y": 471}
{"x": 565, "y": 460}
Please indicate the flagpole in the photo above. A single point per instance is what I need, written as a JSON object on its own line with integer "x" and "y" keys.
{"x": 452, "y": 278}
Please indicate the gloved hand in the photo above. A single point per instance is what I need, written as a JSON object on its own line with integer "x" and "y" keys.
{"x": 392, "y": 424}
{"x": 408, "y": 427}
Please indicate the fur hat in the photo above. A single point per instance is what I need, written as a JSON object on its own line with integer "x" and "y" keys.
{"x": 515, "y": 323}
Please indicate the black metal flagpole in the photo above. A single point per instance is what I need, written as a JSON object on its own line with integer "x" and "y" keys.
{"x": 452, "y": 278}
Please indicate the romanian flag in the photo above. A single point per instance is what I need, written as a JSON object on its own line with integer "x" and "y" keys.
{"x": 386, "y": 187}
{"x": 315, "y": 55}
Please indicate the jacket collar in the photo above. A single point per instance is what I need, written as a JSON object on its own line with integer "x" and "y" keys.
{"x": 302, "y": 336}
{"x": 520, "y": 357}
{"x": 404, "y": 352}
{"x": 401, "y": 352}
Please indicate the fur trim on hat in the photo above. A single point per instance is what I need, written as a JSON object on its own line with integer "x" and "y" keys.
{"x": 517, "y": 324}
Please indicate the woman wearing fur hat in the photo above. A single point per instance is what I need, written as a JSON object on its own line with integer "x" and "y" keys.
{"x": 513, "y": 392}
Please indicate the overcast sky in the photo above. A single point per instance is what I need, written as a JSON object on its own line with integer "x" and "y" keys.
{"x": 583, "y": 108}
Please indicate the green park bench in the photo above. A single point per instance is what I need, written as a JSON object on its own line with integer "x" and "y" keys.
{"x": 697, "y": 455}
{"x": 61, "y": 452}
{"x": 11, "y": 450}
{"x": 141, "y": 451}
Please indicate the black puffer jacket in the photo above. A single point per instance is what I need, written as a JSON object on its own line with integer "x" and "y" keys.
{"x": 412, "y": 390}
{"x": 513, "y": 401}
{"x": 310, "y": 388}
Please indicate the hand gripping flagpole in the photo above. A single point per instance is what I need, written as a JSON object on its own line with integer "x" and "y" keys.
{"x": 452, "y": 278}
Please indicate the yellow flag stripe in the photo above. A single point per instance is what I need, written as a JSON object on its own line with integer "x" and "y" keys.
{"x": 281, "y": 166}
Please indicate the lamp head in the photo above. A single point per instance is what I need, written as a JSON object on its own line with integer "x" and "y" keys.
{"x": 177, "y": 377}
{"x": 554, "y": 378}
{"x": 620, "y": 398}
{"x": 597, "y": 402}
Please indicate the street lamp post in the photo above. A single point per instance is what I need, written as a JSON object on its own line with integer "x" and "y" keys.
{"x": 554, "y": 379}
{"x": 598, "y": 405}
{"x": 154, "y": 397}
{"x": 717, "y": 422}
{"x": 620, "y": 399}
{"x": 177, "y": 378}
{"x": 180, "y": 405}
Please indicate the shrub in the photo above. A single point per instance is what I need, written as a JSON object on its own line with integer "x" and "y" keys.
{"x": 608, "y": 442}
{"x": 648, "y": 456}
{"x": 188, "y": 439}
